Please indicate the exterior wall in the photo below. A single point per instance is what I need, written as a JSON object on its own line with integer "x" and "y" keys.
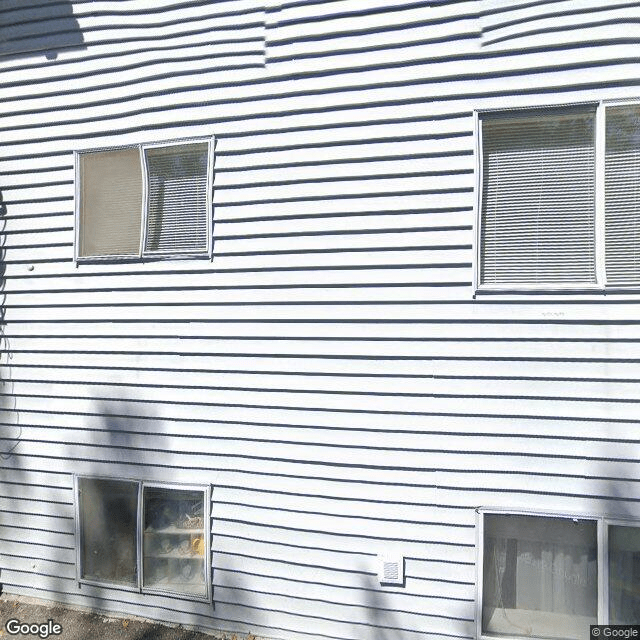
{"x": 330, "y": 372}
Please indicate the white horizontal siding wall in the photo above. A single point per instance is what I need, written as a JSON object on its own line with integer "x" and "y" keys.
{"x": 329, "y": 373}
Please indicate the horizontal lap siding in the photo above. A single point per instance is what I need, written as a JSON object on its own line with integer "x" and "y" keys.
{"x": 329, "y": 373}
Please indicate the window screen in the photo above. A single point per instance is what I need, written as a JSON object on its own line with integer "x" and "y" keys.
{"x": 540, "y": 576}
{"x": 108, "y": 517}
{"x": 538, "y": 198}
{"x": 110, "y": 203}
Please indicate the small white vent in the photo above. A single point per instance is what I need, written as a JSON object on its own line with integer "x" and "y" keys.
{"x": 391, "y": 569}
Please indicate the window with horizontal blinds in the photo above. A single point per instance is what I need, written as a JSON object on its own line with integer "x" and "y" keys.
{"x": 622, "y": 194}
{"x": 538, "y": 198}
{"x": 144, "y": 201}
{"x": 110, "y": 203}
{"x": 177, "y": 220}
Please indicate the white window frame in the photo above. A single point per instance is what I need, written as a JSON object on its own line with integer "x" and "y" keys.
{"x": 601, "y": 285}
{"x": 141, "y": 255}
{"x": 139, "y": 538}
{"x": 603, "y": 522}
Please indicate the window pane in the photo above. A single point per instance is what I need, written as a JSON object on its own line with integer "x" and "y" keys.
{"x": 177, "y": 199}
{"x": 174, "y": 541}
{"x": 622, "y": 195}
{"x": 110, "y": 203}
{"x": 540, "y": 576}
{"x": 108, "y": 517}
{"x": 538, "y": 198}
{"x": 624, "y": 575}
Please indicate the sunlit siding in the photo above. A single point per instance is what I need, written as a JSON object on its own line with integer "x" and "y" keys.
{"x": 330, "y": 372}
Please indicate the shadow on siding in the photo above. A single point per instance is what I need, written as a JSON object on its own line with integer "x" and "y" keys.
{"x": 122, "y": 444}
{"x": 42, "y": 29}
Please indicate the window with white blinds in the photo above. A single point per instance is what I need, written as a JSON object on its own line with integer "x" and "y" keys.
{"x": 560, "y": 200}
{"x": 622, "y": 194}
{"x": 145, "y": 201}
{"x": 177, "y": 199}
{"x": 110, "y": 203}
{"x": 538, "y": 198}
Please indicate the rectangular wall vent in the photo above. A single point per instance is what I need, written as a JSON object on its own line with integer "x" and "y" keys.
{"x": 391, "y": 569}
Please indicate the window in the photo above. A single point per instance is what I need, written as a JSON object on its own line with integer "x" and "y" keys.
{"x": 108, "y": 514}
{"x": 173, "y": 547}
{"x": 624, "y": 574}
{"x": 559, "y": 198}
{"x": 144, "y": 201}
{"x": 124, "y": 523}
{"x": 541, "y": 576}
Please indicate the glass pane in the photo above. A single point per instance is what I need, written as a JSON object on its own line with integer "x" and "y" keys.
{"x": 624, "y": 575}
{"x": 538, "y": 197}
{"x": 174, "y": 541}
{"x": 540, "y": 576}
{"x": 622, "y": 194}
{"x": 110, "y": 203}
{"x": 108, "y": 517}
{"x": 177, "y": 217}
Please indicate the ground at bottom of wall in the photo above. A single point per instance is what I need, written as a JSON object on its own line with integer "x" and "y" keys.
{"x": 82, "y": 624}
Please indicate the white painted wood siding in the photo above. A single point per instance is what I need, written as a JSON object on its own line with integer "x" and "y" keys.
{"x": 329, "y": 373}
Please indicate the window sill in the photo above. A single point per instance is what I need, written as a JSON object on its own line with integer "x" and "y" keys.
{"x": 141, "y": 259}
{"x": 523, "y": 290}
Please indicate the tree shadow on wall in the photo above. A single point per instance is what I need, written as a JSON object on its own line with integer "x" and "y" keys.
{"x": 29, "y": 28}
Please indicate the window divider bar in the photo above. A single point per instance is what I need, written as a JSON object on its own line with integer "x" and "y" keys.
{"x": 479, "y": 569}
{"x": 76, "y": 207}
{"x": 603, "y": 572}
{"x": 477, "y": 131}
{"x": 77, "y": 529}
{"x": 145, "y": 196}
{"x": 210, "y": 163}
{"x": 139, "y": 536}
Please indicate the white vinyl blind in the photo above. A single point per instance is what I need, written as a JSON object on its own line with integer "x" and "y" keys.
{"x": 110, "y": 203}
{"x": 538, "y": 198}
{"x": 622, "y": 195}
{"x": 177, "y": 199}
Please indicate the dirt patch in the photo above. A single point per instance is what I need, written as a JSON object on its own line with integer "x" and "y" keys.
{"x": 80, "y": 624}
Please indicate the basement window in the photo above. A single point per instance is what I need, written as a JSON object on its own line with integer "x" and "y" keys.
{"x": 144, "y": 201}
{"x": 553, "y": 576}
{"x": 144, "y": 537}
{"x": 108, "y": 513}
{"x": 173, "y": 547}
